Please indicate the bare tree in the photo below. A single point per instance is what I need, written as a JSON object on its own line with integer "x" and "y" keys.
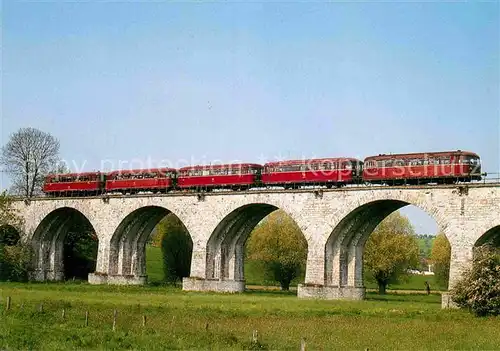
{"x": 29, "y": 155}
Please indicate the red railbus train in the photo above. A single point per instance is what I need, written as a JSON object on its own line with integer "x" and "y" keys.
{"x": 233, "y": 176}
{"x": 74, "y": 184}
{"x": 397, "y": 169}
{"x": 132, "y": 181}
{"x": 422, "y": 168}
{"x": 321, "y": 171}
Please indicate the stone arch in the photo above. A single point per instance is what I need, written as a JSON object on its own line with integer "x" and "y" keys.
{"x": 127, "y": 259}
{"x": 225, "y": 249}
{"x": 9, "y": 235}
{"x": 49, "y": 238}
{"x": 492, "y": 237}
{"x": 345, "y": 246}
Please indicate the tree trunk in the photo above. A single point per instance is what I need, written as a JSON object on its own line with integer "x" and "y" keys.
{"x": 382, "y": 287}
{"x": 285, "y": 285}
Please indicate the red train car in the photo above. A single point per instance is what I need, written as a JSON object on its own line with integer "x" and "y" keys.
{"x": 422, "y": 168}
{"x": 231, "y": 176}
{"x": 135, "y": 180}
{"x": 74, "y": 184}
{"x": 322, "y": 171}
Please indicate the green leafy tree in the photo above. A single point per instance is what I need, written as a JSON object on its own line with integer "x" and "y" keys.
{"x": 15, "y": 262}
{"x": 479, "y": 288}
{"x": 8, "y": 215}
{"x": 391, "y": 251}
{"x": 278, "y": 243}
{"x": 440, "y": 257}
{"x": 15, "y": 256}
{"x": 177, "y": 247}
{"x": 80, "y": 250}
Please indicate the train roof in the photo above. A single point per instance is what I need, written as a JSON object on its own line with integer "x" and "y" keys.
{"x": 312, "y": 160}
{"x": 141, "y": 171}
{"x": 421, "y": 155}
{"x": 73, "y": 174}
{"x": 229, "y": 165}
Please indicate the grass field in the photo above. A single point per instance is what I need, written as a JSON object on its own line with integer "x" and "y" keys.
{"x": 181, "y": 320}
{"x": 154, "y": 264}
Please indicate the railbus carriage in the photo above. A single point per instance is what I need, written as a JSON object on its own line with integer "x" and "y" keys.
{"x": 74, "y": 184}
{"x": 135, "y": 180}
{"x": 228, "y": 176}
{"x": 323, "y": 171}
{"x": 422, "y": 168}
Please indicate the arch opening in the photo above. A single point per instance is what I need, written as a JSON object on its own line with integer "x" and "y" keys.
{"x": 227, "y": 248}
{"x": 64, "y": 246}
{"x": 138, "y": 236}
{"x": 491, "y": 237}
{"x": 345, "y": 248}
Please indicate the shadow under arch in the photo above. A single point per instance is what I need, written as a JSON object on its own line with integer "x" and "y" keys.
{"x": 345, "y": 246}
{"x": 491, "y": 237}
{"x": 226, "y": 245}
{"x": 51, "y": 259}
{"x": 127, "y": 260}
{"x": 9, "y": 235}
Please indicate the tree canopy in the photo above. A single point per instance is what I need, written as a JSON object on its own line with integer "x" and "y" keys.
{"x": 440, "y": 257}
{"x": 8, "y": 215}
{"x": 80, "y": 249}
{"x": 28, "y": 156}
{"x": 391, "y": 251}
{"x": 15, "y": 257}
{"x": 479, "y": 288}
{"x": 278, "y": 243}
{"x": 176, "y": 246}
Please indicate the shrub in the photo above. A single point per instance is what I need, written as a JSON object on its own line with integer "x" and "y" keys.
{"x": 177, "y": 248}
{"x": 479, "y": 288}
{"x": 15, "y": 262}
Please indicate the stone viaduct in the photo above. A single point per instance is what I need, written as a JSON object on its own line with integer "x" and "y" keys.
{"x": 336, "y": 224}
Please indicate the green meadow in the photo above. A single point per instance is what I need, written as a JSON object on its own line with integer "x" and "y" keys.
{"x": 158, "y": 317}
{"x": 188, "y": 320}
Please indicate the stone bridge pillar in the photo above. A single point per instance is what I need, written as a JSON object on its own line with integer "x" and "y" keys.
{"x": 217, "y": 263}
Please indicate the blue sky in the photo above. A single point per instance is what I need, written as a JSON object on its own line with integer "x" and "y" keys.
{"x": 204, "y": 82}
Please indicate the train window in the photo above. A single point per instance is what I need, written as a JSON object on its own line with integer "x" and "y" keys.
{"x": 469, "y": 160}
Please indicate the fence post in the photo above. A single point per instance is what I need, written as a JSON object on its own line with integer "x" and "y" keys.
{"x": 255, "y": 337}
{"x": 303, "y": 344}
{"x": 115, "y": 313}
{"x": 86, "y": 318}
{"x": 7, "y": 306}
